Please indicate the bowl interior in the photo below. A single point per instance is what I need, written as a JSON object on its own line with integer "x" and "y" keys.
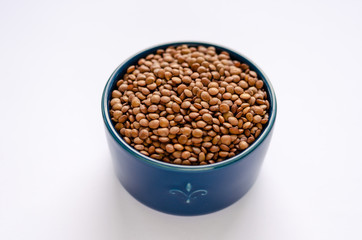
{"x": 121, "y": 70}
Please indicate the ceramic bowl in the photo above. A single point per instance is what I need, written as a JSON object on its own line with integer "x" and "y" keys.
{"x": 180, "y": 189}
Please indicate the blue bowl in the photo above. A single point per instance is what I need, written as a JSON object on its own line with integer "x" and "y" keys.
{"x": 180, "y": 189}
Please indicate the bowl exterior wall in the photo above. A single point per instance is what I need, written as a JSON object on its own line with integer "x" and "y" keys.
{"x": 183, "y": 192}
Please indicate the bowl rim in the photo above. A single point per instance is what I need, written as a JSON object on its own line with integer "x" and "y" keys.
{"x": 169, "y": 166}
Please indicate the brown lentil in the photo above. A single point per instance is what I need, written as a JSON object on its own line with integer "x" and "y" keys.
{"x": 154, "y": 124}
{"x": 205, "y": 96}
{"x": 224, "y": 108}
{"x": 174, "y": 130}
{"x": 170, "y": 148}
{"x": 182, "y": 139}
{"x": 178, "y": 147}
{"x": 197, "y": 133}
{"x": 163, "y": 122}
{"x": 143, "y": 134}
{"x": 243, "y": 145}
{"x": 189, "y": 105}
{"x": 233, "y": 121}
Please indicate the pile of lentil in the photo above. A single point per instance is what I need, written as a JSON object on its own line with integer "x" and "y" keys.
{"x": 189, "y": 105}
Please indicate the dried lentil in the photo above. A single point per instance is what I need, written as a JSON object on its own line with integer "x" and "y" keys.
{"x": 189, "y": 105}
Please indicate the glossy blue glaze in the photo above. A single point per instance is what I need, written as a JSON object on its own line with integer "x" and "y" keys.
{"x": 179, "y": 189}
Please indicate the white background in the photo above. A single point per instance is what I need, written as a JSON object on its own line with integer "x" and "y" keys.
{"x": 56, "y": 176}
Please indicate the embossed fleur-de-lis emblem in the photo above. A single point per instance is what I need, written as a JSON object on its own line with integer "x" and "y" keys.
{"x": 188, "y": 194}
